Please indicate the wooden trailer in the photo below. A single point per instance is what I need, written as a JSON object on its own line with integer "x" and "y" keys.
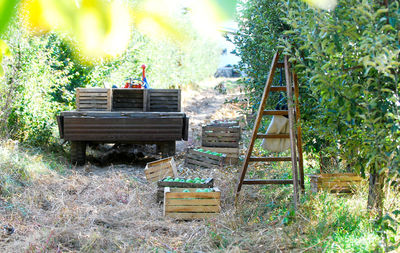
{"x": 125, "y": 120}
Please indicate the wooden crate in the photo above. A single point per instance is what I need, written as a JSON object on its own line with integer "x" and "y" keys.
{"x": 164, "y": 100}
{"x": 129, "y": 100}
{"x": 191, "y": 205}
{"x": 209, "y": 183}
{"x": 160, "y": 169}
{"x": 196, "y": 159}
{"x": 93, "y": 99}
{"x": 232, "y": 154}
{"x": 221, "y": 134}
{"x": 335, "y": 183}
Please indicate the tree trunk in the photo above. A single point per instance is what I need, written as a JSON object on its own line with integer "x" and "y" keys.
{"x": 375, "y": 193}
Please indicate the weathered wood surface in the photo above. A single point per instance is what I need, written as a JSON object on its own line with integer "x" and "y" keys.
{"x": 232, "y": 154}
{"x": 115, "y": 126}
{"x": 191, "y": 205}
{"x": 221, "y": 134}
{"x": 129, "y": 100}
{"x": 160, "y": 169}
{"x": 195, "y": 159}
{"x": 335, "y": 183}
{"x": 93, "y": 99}
{"x": 209, "y": 183}
{"x": 164, "y": 100}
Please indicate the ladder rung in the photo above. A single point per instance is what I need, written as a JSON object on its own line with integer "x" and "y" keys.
{"x": 270, "y": 159}
{"x": 272, "y": 136}
{"x": 278, "y": 88}
{"x": 280, "y": 65}
{"x": 276, "y": 112}
{"x": 267, "y": 181}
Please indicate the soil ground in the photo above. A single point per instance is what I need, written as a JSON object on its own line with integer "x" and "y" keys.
{"x": 108, "y": 206}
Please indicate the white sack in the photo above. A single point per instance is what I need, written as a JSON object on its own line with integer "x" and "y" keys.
{"x": 279, "y": 125}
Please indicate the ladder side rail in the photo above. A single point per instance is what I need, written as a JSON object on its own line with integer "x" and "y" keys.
{"x": 291, "y": 131}
{"x": 299, "y": 132}
{"x": 258, "y": 121}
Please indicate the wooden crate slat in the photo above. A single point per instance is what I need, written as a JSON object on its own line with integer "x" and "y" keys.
{"x": 199, "y": 195}
{"x": 160, "y": 169}
{"x": 196, "y": 159}
{"x": 220, "y": 134}
{"x": 234, "y": 129}
{"x": 190, "y": 216}
{"x": 220, "y": 144}
{"x": 92, "y": 98}
{"x": 342, "y": 183}
{"x": 196, "y": 208}
{"x": 164, "y": 100}
{"x": 193, "y": 202}
{"x": 184, "y": 205}
{"x": 155, "y": 176}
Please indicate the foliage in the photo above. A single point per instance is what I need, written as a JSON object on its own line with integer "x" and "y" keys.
{"x": 256, "y": 41}
{"x": 28, "y": 88}
{"x": 348, "y": 60}
{"x": 168, "y": 65}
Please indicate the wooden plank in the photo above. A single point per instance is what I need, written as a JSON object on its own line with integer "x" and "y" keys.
{"x": 221, "y": 129}
{"x": 94, "y": 102}
{"x": 278, "y": 88}
{"x": 267, "y": 181}
{"x": 222, "y": 135}
{"x": 275, "y": 112}
{"x": 190, "y": 216}
{"x": 220, "y": 144}
{"x": 179, "y": 101}
{"x": 273, "y": 136}
{"x": 192, "y": 202}
{"x": 199, "y": 195}
{"x": 112, "y": 137}
{"x": 145, "y": 98}
{"x": 116, "y": 126}
{"x": 91, "y": 89}
{"x": 197, "y": 208}
{"x": 107, "y": 114}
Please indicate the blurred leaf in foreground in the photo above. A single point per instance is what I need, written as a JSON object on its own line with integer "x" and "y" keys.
{"x": 4, "y": 51}
{"x": 8, "y": 9}
{"x": 97, "y": 28}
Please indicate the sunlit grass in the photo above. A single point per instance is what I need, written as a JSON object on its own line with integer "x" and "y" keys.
{"x": 20, "y": 165}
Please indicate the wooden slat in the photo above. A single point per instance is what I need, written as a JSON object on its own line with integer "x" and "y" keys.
{"x": 272, "y": 136}
{"x": 199, "y": 195}
{"x": 190, "y": 216}
{"x": 267, "y": 181}
{"x": 278, "y": 88}
{"x": 192, "y": 202}
{"x": 269, "y": 159}
{"x": 197, "y": 208}
{"x": 275, "y": 112}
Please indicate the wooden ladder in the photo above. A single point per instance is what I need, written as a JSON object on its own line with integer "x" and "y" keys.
{"x": 294, "y": 133}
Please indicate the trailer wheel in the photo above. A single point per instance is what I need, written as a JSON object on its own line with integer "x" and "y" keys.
{"x": 78, "y": 152}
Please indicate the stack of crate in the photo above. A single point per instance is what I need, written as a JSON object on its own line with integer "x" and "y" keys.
{"x": 133, "y": 100}
{"x": 222, "y": 137}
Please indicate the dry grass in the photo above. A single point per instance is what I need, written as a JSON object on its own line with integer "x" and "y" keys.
{"x": 117, "y": 212}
